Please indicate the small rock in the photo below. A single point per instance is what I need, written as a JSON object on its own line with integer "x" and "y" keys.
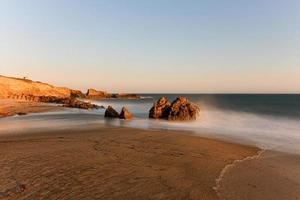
{"x": 125, "y": 114}
{"x": 21, "y": 113}
{"x": 111, "y": 113}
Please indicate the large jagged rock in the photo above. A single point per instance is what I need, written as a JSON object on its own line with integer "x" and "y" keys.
{"x": 179, "y": 110}
{"x": 182, "y": 110}
{"x": 95, "y": 94}
{"x": 125, "y": 114}
{"x": 159, "y": 109}
{"x": 110, "y": 112}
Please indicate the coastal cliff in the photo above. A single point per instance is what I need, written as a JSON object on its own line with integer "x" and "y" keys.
{"x": 24, "y": 89}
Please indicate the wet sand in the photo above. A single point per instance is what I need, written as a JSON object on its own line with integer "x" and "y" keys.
{"x": 272, "y": 176}
{"x": 9, "y": 107}
{"x": 113, "y": 163}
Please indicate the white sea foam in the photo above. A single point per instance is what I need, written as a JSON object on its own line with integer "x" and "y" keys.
{"x": 277, "y": 133}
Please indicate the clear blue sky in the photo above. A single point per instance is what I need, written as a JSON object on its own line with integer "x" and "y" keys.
{"x": 154, "y": 45}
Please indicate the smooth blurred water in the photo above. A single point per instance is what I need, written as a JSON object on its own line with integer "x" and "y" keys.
{"x": 267, "y": 121}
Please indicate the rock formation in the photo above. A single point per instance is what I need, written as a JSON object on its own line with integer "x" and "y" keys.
{"x": 75, "y": 103}
{"x": 111, "y": 113}
{"x": 124, "y": 96}
{"x": 179, "y": 110}
{"x": 125, "y": 114}
{"x": 94, "y": 94}
{"x": 159, "y": 109}
{"x": 77, "y": 94}
{"x": 28, "y": 90}
{"x": 10, "y": 87}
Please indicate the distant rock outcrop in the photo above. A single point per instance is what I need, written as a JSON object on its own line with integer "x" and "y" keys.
{"x": 125, "y": 114}
{"x": 77, "y": 94}
{"x": 124, "y": 96}
{"x": 110, "y": 112}
{"x": 94, "y": 94}
{"x": 179, "y": 110}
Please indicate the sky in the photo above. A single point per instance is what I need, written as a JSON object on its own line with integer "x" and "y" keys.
{"x": 156, "y": 46}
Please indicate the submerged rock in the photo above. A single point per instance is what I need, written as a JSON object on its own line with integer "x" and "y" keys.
{"x": 110, "y": 112}
{"x": 179, "y": 110}
{"x": 125, "y": 114}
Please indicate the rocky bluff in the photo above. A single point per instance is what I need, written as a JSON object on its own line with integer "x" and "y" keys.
{"x": 28, "y": 90}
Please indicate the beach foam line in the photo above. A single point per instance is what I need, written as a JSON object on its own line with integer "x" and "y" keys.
{"x": 232, "y": 165}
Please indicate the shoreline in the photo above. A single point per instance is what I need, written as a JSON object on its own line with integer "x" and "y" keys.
{"x": 174, "y": 163}
{"x": 11, "y": 107}
{"x": 271, "y": 175}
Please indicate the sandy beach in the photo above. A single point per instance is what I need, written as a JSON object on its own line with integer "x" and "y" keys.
{"x": 113, "y": 163}
{"x": 102, "y": 162}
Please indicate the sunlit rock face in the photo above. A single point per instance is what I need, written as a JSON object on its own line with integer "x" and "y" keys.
{"x": 24, "y": 89}
{"x": 179, "y": 110}
{"x": 28, "y": 90}
{"x": 159, "y": 109}
{"x": 98, "y": 94}
{"x": 125, "y": 114}
{"x": 95, "y": 94}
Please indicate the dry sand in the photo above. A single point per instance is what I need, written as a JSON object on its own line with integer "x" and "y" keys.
{"x": 113, "y": 163}
{"x": 9, "y": 107}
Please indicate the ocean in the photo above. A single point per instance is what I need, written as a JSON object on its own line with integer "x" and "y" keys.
{"x": 269, "y": 121}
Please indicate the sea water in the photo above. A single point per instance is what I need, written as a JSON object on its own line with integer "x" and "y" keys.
{"x": 270, "y": 121}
